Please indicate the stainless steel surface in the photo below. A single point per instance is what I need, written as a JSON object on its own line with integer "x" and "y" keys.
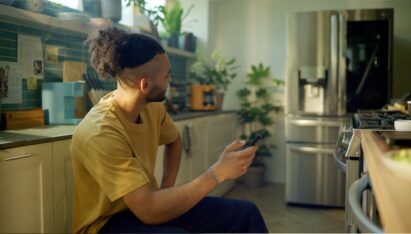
{"x": 309, "y": 48}
{"x": 319, "y": 94}
{"x": 313, "y": 129}
{"x": 352, "y": 174}
{"x": 368, "y": 14}
{"x": 312, "y": 177}
{"x": 354, "y": 148}
{"x": 341, "y": 165}
{"x": 355, "y": 193}
{"x": 318, "y": 41}
{"x": 341, "y": 66}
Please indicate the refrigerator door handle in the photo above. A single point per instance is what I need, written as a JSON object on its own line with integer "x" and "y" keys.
{"x": 342, "y": 65}
{"x": 311, "y": 150}
{"x": 333, "y": 66}
{"x": 314, "y": 123}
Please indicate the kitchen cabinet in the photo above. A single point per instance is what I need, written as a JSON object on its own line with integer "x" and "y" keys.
{"x": 204, "y": 139}
{"x": 62, "y": 180}
{"x": 26, "y": 189}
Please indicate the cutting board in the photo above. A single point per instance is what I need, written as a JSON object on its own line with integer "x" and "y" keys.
{"x": 74, "y": 71}
{"x": 23, "y": 119}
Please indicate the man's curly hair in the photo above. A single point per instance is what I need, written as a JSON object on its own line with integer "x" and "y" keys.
{"x": 113, "y": 49}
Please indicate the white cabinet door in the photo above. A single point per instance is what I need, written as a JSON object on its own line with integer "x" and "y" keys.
{"x": 26, "y": 189}
{"x": 184, "y": 173}
{"x": 204, "y": 139}
{"x": 221, "y": 130}
{"x": 62, "y": 176}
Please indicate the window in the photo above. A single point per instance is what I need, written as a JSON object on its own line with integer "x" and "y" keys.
{"x": 68, "y": 3}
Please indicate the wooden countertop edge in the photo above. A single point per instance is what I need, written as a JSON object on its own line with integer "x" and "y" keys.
{"x": 385, "y": 188}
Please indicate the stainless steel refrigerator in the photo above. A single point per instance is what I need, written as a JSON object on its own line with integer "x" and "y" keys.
{"x": 337, "y": 62}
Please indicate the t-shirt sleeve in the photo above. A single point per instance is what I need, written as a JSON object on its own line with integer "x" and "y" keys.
{"x": 111, "y": 162}
{"x": 168, "y": 130}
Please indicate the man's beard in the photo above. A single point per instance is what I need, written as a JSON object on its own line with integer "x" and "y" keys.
{"x": 156, "y": 95}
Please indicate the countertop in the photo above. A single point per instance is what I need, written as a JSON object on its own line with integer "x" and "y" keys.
{"x": 30, "y": 136}
{"x": 391, "y": 189}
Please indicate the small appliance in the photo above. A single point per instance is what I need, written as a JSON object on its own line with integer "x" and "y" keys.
{"x": 59, "y": 99}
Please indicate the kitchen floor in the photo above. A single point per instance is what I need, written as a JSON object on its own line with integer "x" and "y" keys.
{"x": 281, "y": 217}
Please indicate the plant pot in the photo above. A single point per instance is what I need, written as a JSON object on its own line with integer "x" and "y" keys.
{"x": 219, "y": 100}
{"x": 111, "y": 9}
{"x": 172, "y": 41}
{"x": 202, "y": 97}
{"x": 254, "y": 178}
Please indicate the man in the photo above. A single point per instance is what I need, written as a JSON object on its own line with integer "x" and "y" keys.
{"x": 114, "y": 152}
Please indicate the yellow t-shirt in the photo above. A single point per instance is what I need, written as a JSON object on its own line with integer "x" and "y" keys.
{"x": 112, "y": 157}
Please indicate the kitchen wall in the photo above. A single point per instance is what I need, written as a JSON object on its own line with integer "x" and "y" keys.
{"x": 254, "y": 31}
{"x": 71, "y": 47}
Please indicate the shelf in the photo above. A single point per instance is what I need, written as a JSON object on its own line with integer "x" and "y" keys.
{"x": 37, "y": 20}
{"x": 179, "y": 52}
{"x": 16, "y": 15}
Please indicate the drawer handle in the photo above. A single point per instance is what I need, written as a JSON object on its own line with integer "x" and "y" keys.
{"x": 314, "y": 123}
{"x": 17, "y": 157}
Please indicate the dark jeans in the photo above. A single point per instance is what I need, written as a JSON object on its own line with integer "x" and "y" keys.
{"x": 212, "y": 214}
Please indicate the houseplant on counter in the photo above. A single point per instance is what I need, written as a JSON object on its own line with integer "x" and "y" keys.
{"x": 255, "y": 115}
{"x": 218, "y": 74}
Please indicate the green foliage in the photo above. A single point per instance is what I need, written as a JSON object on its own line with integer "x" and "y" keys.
{"x": 220, "y": 72}
{"x": 171, "y": 19}
{"x": 256, "y": 112}
{"x": 150, "y": 12}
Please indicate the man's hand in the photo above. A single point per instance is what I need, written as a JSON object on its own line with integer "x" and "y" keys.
{"x": 233, "y": 162}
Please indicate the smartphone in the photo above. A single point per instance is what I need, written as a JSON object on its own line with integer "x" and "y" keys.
{"x": 253, "y": 141}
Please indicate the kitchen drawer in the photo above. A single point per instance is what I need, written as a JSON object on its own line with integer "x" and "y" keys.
{"x": 314, "y": 129}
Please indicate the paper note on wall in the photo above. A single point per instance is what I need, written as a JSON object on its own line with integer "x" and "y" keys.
{"x": 31, "y": 83}
{"x": 10, "y": 83}
{"x": 30, "y": 52}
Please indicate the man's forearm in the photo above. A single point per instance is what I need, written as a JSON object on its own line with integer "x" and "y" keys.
{"x": 170, "y": 203}
{"x": 156, "y": 207}
{"x": 171, "y": 165}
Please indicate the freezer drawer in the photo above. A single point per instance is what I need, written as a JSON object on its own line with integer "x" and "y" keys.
{"x": 313, "y": 129}
{"x": 312, "y": 176}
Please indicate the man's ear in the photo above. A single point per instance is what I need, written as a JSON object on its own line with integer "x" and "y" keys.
{"x": 144, "y": 84}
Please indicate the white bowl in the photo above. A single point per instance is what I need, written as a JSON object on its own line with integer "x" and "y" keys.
{"x": 402, "y": 125}
{"x": 401, "y": 168}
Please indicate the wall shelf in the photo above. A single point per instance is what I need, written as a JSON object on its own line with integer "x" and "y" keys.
{"x": 19, "y": 16}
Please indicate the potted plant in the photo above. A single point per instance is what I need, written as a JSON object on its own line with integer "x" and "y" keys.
{"x": 255, "y": 115}
{"x": 219, "y": 73}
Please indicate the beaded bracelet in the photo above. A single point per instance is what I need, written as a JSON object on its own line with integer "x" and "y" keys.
{"x": 212, "y": 172}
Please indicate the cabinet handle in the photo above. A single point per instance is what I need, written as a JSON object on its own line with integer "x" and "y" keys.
{"x": 17, "y": 157}
{"x": 187, "y": 139}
